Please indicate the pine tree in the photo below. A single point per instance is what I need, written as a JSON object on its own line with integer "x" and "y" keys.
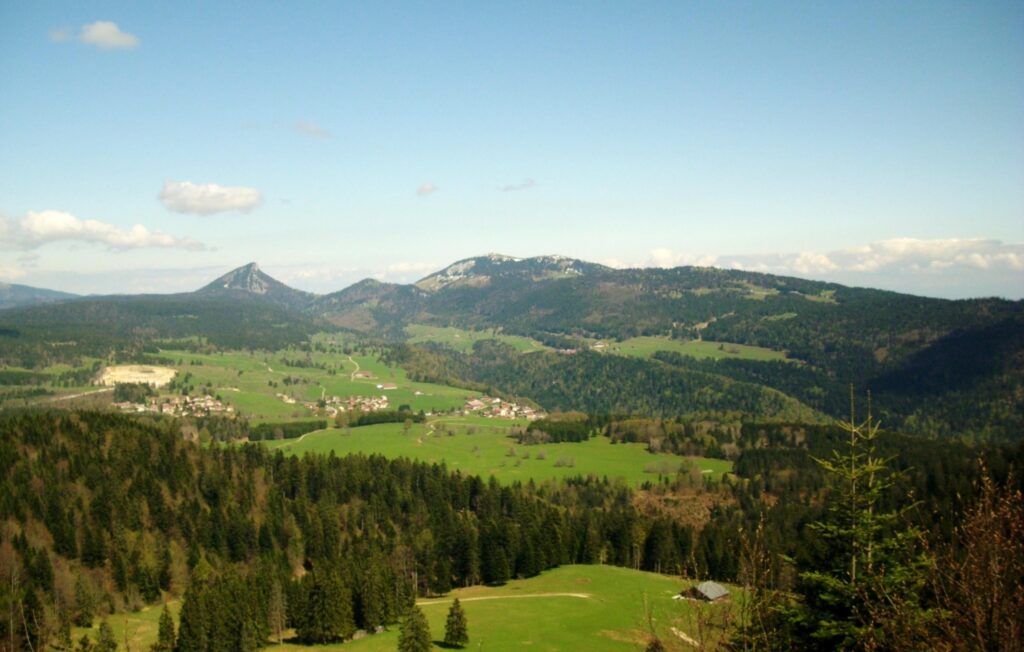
{"x": 193, "y": 635}
{"x": 455, "y": 630}
{"x": 85, "y": 602}
{"x": 868, "y": 598}
{"x": 414, "y": 632}
{"x": 326, "y": 612}
{"x": 165, "y": 634}
{"x": 277, "y": 610}
{"x": 105, "y": 641}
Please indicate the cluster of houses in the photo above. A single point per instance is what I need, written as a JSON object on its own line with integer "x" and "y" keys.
{"x": 495, "y": 407}
{"x": 335, "y": 405}
{"x": 179, "y": 406}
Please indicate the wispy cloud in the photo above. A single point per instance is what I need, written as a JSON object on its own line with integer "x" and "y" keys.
{"x": 38, "y": 228}
{"x": 103, "y": 34}
{"x": 898, "y": 255}
{"x": 208, "y": 198}
{"x": 313, "y": 130}
{"x": 107, "y": 35}
{"x": 427, "y": 188}
{"x": 59, "y": 34}
{"x": 525, "y": 184}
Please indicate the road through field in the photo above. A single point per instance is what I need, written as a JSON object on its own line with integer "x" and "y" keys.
{"x": 585, "y": 596}
{"x": 71, "y": 396}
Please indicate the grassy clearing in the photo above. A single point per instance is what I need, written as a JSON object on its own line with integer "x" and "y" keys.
{"x": 482, "y": 447}
{"x": 597, "y": 608}
{"x": 463, "y": 340}
{"x": 645, "y": 347}
{"x": 141, "y": 627}
{"x": 244, "y": 380}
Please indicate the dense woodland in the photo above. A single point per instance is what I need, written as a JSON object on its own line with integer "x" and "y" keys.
{"x": 595, "y": 383}
{"x": 104, "y": 512}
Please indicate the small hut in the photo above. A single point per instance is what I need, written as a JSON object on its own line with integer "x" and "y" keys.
{"x": 707, "y": 591}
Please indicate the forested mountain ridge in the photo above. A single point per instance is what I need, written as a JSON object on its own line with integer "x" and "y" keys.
{"x": 13, "y": 295}
{"x": 252, "y": 282}
{"x": 938, "y": 367}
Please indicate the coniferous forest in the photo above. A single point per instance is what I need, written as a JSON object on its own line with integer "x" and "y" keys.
{"x": 106, "y": 512}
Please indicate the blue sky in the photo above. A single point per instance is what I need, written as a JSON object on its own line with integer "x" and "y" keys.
{"x": 152, "y": 146}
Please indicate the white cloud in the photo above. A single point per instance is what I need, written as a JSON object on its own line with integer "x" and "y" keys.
{"x": 208, "y": 198}
{"x": 525, "y": 184}
{"x": 918, "y": 255}
{"x": 38, "y": 228}
{"x": 812, "y": 263}
{"x": 313, "y": 130}
{"x": 665, "y": 258}
{"x": 898, "y": 255}
{"x": 427, "y": 188}
{"x": 615, "y": 263}
{"x": 106, "y": 35}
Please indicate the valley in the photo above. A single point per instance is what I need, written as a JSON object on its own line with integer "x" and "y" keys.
{"x": 547, "y": 429}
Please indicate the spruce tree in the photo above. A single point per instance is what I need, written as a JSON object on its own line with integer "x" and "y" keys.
{"x": 193, "y": 635}
{"x": 414, "y": 632}
{"x": 165, "y": 639}
{"x": 455, "y": 629}
{"x": 867, "y": 597}
{"x": 105, "y": 641}
{"x": 326, "y": 613}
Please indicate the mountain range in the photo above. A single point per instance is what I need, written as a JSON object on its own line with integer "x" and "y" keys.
{"x": 963, "y": 360}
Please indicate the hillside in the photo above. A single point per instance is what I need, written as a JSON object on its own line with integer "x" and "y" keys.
{"x": 13, "y": 295}
{"x": 249, "y": 281}
{"x": 938, "y": 367}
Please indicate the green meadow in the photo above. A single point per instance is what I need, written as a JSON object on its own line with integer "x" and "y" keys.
{"x": 463, "y": 340}
{"x": 251, "y": 381}
{"x": 479, "y": 446}
{"x": 645, "y": 347}
{"x": 599, "y": 608}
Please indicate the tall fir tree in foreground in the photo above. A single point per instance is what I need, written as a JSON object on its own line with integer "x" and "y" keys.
{"x": 414, "y": 632}
{"x": 456, "y": 633}
{"x": 868, "y": 595}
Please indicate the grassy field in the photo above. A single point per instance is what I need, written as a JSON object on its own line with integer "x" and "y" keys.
{"x": 478, "y": 446}
{"x": 244, "y": 380}
{"x": 463, "y": 340}
{"x": 599, "y": 608}
{"x": 645, "y": 347}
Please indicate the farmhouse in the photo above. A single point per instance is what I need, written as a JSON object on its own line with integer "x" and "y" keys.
{"x": 706, "y": 591}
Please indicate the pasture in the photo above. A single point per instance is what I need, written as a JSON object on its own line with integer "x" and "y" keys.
{"x": 251, "y": 381}
{"x": 599, "y": 608}
{"x": 479, "y": 446}
{"x": 463, "y": 340}
{"x": 645, "y": 347}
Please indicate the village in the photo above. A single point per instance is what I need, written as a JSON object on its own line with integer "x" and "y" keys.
{"x": 178, "y": 406}
{"x": 491, "y": 407}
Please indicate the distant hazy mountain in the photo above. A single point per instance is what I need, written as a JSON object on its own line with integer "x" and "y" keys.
{"x": 249, "y": 281}
{"x": 939, "y": 366}
{"x": 480, "y": 271}
{"x": 13, "y": 296}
